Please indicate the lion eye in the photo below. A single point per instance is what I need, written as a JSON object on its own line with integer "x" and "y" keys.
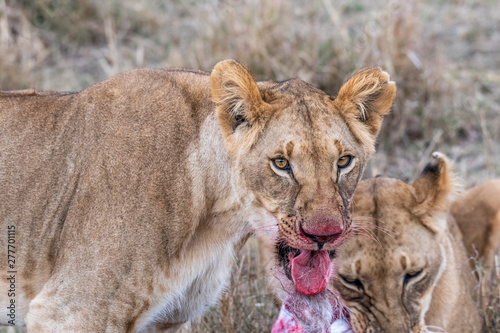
{"x": 344, "y": 161}
{"x": 281, "y": 163}
{"x": 411, "y": 276}
{"x": 353, "y": 282}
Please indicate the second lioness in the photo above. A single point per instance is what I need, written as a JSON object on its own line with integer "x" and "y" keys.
{"x": 407, "y": 271}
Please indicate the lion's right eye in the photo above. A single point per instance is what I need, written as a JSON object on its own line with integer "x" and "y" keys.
{"x": 412, "y": 276}
{"x": 352, "y": 282}
{"x": 281, "y": 163}
{"x": 344, "y": 161}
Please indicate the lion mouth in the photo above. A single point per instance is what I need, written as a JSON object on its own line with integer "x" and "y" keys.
{"x": 308, "y": 270}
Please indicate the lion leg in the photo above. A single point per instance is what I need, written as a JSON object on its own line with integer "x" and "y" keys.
{"x": 47, "y": 314}
{"x": 61, "y": 308}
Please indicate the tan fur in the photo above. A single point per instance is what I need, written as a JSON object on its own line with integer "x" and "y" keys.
{"x": 407, "y": 270}
{"x": 130, "y": 197}
{"x": 477, "y": 212}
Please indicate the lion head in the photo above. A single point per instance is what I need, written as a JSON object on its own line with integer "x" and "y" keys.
{"x": 406, "y": 271}
{"x": 298, "y": 154}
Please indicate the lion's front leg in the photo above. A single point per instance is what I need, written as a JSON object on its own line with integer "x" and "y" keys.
{"x": 50, "y": 313}
{"x": 64, "y": 305}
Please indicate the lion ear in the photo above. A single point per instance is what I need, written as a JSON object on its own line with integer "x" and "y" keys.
{"x": 367, "y": 96}
{"x": 434, "y": 190}
{"x": 236, "y": 95}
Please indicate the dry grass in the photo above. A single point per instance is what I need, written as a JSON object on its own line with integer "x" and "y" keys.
{"x": 487, "y": 293}
{"x": 444, "y": 56}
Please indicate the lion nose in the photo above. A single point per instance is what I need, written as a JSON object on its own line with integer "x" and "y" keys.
{"x": 322, "y": 237}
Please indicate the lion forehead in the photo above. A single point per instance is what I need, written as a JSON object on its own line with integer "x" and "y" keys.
{"x": 390, "y": 238}
{"x": 317, "y": 132}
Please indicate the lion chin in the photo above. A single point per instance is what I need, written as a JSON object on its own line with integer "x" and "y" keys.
{"x": 316, "y": 307}
{"x": 301, "y": 281}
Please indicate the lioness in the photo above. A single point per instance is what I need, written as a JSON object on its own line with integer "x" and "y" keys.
{"x": 124, "y": 202}
{"x": 477, "y": 212}
{"x": 407, "y": 271}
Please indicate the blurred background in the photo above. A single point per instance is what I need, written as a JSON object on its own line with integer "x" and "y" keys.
{"x": 443, "y": 55}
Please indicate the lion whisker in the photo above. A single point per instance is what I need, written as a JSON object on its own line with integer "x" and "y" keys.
{"x": 372, "y": 237}
{"x": 368, "y": 218}
{"x": 369, "y": 225}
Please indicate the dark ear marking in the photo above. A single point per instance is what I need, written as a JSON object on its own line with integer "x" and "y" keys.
{"x": 238, "y": 120}
{"x": 434, "y": 188}
{"x": 431, "y": 169}
{"x": 236, "y": 96}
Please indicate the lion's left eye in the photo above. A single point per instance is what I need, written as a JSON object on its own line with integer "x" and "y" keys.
{"x": 410, "y": 276}
{"x": 353, "y": 282}
{"x": 281, "y": 163}
{"x": 344, "y": 161}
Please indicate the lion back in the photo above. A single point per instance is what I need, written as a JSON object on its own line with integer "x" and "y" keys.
{"x": 72, "y": 165}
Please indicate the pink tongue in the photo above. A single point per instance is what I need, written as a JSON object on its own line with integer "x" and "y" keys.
{"x": 310, "y": 271}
